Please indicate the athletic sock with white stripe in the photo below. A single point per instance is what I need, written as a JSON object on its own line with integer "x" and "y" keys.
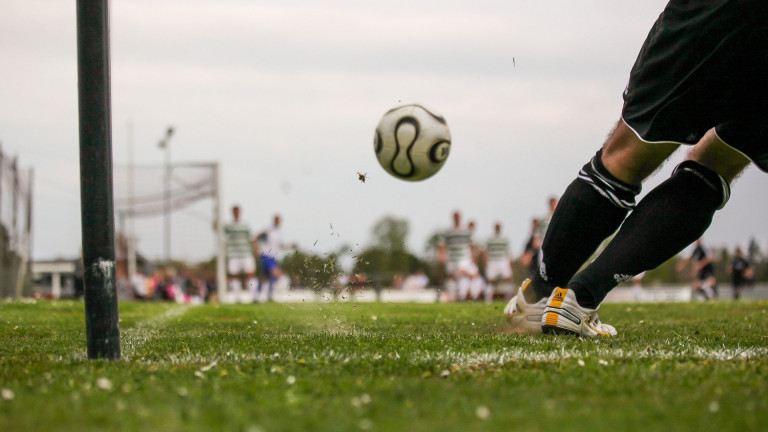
{"x": 591, "y": 208}
{"x": 669, "y": 218}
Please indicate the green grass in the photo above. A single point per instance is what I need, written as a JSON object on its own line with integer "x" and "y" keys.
{"x": 383, "y": 367}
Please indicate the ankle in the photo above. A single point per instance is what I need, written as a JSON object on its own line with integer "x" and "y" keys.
{"x": 584, "y": 298}
{"x": 537, "y": 290}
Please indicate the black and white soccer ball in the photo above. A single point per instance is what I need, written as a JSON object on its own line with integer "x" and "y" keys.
{"x": 412, "y": 142}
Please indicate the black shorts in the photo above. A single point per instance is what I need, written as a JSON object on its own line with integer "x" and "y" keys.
{"x": 706, "y": 272}
{"x": 704, "y": 64}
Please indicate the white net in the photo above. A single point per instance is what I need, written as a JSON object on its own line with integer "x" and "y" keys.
{"x": 151, "y": 193}
{"x": 15, "y": 226}
{"x": 144, "y": 196}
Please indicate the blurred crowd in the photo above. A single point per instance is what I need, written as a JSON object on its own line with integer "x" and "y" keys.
{"x": 462, "y": 269}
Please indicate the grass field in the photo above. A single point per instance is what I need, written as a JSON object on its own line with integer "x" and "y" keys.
{"x": 383, "y": 367}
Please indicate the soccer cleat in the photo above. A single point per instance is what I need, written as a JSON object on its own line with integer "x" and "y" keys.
{"x": 564, "y": 315}
{"x": 524, "y": 317}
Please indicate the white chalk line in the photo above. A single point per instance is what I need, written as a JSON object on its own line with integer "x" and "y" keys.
{"x": 132, "y": 339}
{"x": 471, "y": 358}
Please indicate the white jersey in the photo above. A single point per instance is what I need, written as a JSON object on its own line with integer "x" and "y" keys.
{"x": 271, "y": 243}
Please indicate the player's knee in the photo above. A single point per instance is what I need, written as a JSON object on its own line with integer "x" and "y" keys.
{"x": 709, "y": 178}
{"x": 619, "y": 193}
{"x": 712, "y": 152}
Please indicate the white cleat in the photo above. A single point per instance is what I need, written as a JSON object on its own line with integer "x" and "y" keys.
{"x": 524, "y": 317}
{"x": 564, "y": 315}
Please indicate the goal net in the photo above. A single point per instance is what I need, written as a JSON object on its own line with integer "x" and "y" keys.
{"x": 15, "y": 227}
{"x": 168, "y": 212}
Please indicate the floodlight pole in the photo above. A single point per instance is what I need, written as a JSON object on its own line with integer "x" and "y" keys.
{"x": 221, "y": 270}
{"x": 165, "y": 144}
{"x": 96, "y": 194}
{"x": 131, "y": 235}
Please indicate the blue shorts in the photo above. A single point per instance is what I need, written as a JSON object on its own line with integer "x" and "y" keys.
{"x": 268, "y": 263}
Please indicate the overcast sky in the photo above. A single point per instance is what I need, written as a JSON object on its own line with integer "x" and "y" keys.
{"x": 285, "y": 96}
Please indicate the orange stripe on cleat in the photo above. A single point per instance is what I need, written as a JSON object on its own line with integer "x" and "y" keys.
{"x": 557, "y": 299}
{"x": 526, "y": 283}
{"x": 551, "y": 319}
{"x": 600, "y": 332}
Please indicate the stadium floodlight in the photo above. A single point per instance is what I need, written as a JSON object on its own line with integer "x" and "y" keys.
{"x": 96, "y": 194}
{"x": 164, "y": 142}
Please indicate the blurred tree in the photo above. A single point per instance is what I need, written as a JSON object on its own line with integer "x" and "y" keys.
{"x": 390, "y": 233}
{"x": 754, "y": 254}
{"x": 311, "y": 271}
{"x": 666, "y": 273}
{"x": 389, "y": 255}
{"x": 381, "y": 266}
{"x": 430, "y": 247}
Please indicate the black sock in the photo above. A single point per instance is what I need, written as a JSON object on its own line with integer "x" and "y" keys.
{"x": 591, "y": 208}
{"x": 669, "y": 218}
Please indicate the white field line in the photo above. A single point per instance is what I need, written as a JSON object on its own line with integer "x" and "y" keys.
{"x": 133, "y": 338}
{"x": 470, "y": 358}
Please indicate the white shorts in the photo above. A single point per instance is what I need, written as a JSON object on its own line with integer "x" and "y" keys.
{"x": 246, "y": 265}
{"x": 457, "y": 267}
{"x": 498, "y": 270}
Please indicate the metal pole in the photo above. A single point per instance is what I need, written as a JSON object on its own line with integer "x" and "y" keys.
{"x": 1, "y": 180}
{"x": 30, "y": 196}
{"x": 3, "y": 239}
{"x": 131, "y": 235}
{"x": 22, "y": 287}
{"x": 221, "y": 269}
{"x": 167, "y": 236}
{"x": 165, "y": 144}
{"x": 96, "y": 194}
{"x": 15, "y": 234}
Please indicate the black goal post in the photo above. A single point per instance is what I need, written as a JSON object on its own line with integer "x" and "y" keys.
{"x": 96, "y": 194}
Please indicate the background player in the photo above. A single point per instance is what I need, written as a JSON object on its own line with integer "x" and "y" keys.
{"x": 241, "y": 266}
{"x": 477, "y": 287}
{"x": 703, "y": 278}
{"x": 545, "y": 220}
{"x": 741, "y": 273}
{"x": 530, "y": 259}
{"x": 498, "y": 268}
{"x": 270, "y": 246}
{"x": 455, "y": 247}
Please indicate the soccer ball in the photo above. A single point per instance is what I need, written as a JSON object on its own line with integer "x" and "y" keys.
{"x": 412, "y": 142}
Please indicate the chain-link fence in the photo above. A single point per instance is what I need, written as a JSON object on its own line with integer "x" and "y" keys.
{"x": 15, "y": 227}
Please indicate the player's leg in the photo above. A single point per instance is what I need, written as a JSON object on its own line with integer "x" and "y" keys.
{"x": 247, "y": 279}
{"x": 489, "y": 291}
{"x": 701, "y": 65}
{"x": 591, "y": 209}
{"x": 464, "y": 279}
{"x": 695, "y": 287}
{"x": 268, "y": 265}
{"x": 234, "y": 285}
{"x": 712, "y": 284}
{"x": 700, "y": 288}
{"x": 451, "y": 281}
{"x": 463, "y": 285}
{"x": 450, "y": 288}
{"x": 251, "y": 285}
{"x": 594, "y": 205}
{"x": 274, "y": 273}
{"x": 235, "y": 271}
{"x": 668, "y": 219}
